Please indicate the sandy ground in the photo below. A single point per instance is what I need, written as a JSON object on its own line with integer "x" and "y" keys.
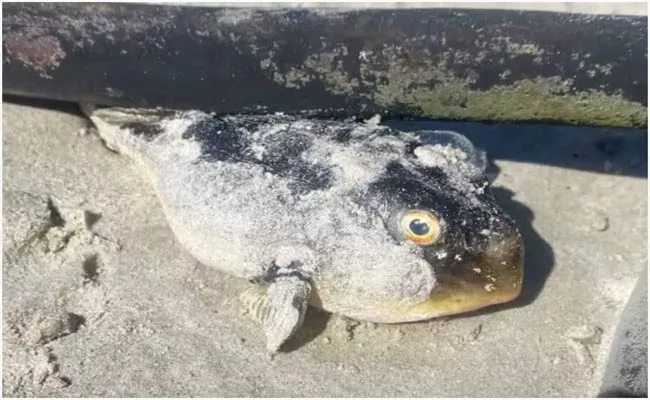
{"x": 100, "y": 300}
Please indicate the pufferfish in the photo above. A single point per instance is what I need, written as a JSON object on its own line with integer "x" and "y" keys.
{"x": 354, "y": 218}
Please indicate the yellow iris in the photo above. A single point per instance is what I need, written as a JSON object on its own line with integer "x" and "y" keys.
{"x": 420, "y": 227}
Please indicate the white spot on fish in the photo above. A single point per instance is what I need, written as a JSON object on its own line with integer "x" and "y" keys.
{"x": 489, "y": 287}
{"x": 481, "y": 189}
{"x": 477, "y": 270}
{"x": 441, "y": 254}
{"x": 457, "y": 257}
{"x": 258, "y": 151}
{"x": 485, "y": 232}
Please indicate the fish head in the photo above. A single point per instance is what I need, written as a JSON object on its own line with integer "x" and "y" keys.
{"x": 443, "y": 246}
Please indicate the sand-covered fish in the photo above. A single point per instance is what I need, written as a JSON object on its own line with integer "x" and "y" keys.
{"x": 354, "y": 218}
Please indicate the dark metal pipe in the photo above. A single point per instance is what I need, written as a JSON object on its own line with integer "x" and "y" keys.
{"x": 458, "y": 64}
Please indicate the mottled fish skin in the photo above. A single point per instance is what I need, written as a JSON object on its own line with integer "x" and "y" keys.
{"x": 246, "y": 194}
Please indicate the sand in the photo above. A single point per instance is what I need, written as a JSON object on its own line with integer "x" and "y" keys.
{"x": 99, "y": 299}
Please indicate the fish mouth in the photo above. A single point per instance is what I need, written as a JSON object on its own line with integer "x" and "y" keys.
{"x": 493, "y": 277}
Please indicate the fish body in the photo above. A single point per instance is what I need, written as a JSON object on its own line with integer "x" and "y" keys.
{"x": 354, "y": 218}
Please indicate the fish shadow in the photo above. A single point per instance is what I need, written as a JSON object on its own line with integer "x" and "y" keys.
{"x": 539, "y": 257}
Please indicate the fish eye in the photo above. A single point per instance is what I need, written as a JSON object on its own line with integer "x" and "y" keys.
{"x": 420, "y": 227}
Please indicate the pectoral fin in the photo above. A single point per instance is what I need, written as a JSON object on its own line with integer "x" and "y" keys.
{"x": 280, "y": 307}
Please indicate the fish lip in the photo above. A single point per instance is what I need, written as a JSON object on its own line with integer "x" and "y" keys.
{"x": 462, "y": 293}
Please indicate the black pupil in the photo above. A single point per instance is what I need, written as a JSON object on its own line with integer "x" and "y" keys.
{"x": 419, "y": 227}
